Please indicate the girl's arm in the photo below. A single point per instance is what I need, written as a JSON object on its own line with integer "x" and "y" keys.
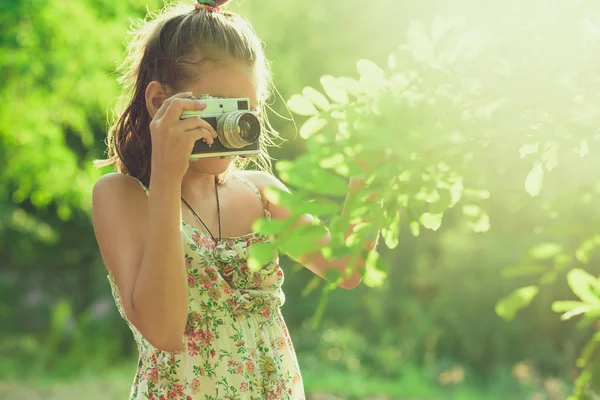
{"x": 314, "y": 261}
{"x": 141, "y": 244}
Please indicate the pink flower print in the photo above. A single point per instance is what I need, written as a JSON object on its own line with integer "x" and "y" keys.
{"x": 266, "y": 312}
{"x": 212, "y": 274}
{"x": 205, "y": 281}
{"x": 153, "y": 375}
{"x": 250, "y": 366}
{"x": 197, "y": 239}
{"x": 227, "y": 289}
{"x": 214, "y": 294}
{"x": 206, "y": 336}
{"x": 195, "y": 385}
{"x": 239, "y": 369}
{"x": 193, "y": 348}
{"x": 178, "y": 389}
{"x": 213, "y": 353}
{"x": 240, "y": 343}
{"x": 244, "y": 387}
{"x": 280, "y": 342}
{"x": 228, "y": 270}
{"x": 280, "y": 273}
{"x": 230, "y": 363}
{"x": 188, "y": 261}
{"x": 191, "y": 279}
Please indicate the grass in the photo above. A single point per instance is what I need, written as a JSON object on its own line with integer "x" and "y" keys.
{"x": 321, "y": 383}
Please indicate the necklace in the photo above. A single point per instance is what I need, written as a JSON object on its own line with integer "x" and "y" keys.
{"x": 218, "y": 215}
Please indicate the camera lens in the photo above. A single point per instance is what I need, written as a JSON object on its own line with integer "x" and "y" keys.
{"x": 238, "y": 129}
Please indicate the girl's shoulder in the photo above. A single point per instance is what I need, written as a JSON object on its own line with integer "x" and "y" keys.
{"x": 118, "y": 181}
{"x": 261, "y": 179}
{"x": 116, "y": 191}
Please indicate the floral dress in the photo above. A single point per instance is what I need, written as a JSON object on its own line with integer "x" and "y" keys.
{"x": 236, "y": 344}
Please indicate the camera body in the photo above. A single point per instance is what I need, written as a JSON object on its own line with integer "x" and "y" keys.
{"x": 238, "y": 129}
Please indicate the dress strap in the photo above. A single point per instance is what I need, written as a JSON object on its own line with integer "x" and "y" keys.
{"x": 141, "y": 184}
{"x": 252, "y": 186}
{"x": 257, "y": 192}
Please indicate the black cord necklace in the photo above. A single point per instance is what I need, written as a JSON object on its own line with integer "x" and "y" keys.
{"x": 218, "y": 215}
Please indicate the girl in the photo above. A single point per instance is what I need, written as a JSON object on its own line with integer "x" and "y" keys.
{"x": 174, "y": 234}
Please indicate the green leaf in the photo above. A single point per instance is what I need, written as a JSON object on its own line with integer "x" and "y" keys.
{"x": 271, "y": 226}
{"x": 334, "y": 90}
{"x": 350, "y": 85}
{"x": 301, "y": 105}
{"x": 317, "y": 98}
{"x": 568, "y": 305}
{"x": 261, "y": 254}
{"x": 456, "y": 192}
{"x": 550, "y": 156}
{"x": 312, "y": 125}
{"x": 391, "y": 230}
{"x": 375, "y": 271}
{"x": 303, "y": 240}
{"x": 471, "y": 210}
{"x": 534, "y": 180}
{"x": 370, "y": 71}
{"x": 321, "y": 207}
{"x": 311, "y": 286}
{"x": 333, "y": 275}
{"x": 583, "y": 252}
{"x": 584, "y": 285}
{"x": 479, "y": 194}
{"x": 545, "y": 251}
{"x": 431, "y": 221}
{"x": 419, "y": 42}
{"x": 442, "y": 203}
{"x": 582, "y": 309}
{"x": 415, "y": 228}
{"x": 528, "y": 149}
{"x": 281, "y": 197}
{"x": 508, "y": 306}
{"x": 481, "y": 224}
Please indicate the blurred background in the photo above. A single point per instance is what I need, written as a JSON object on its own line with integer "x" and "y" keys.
{"x": 431, "y": 331}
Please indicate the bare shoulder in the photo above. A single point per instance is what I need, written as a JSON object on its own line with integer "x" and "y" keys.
{"x": 116, "y": 183}
{"x": 262, "y": 179}
{"x": 117, "y": 197}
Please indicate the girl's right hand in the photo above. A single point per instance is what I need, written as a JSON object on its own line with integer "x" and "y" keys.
{"x": 173, "y": 138}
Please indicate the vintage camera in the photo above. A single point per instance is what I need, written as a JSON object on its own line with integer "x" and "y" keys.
{"x": 237, "y": 127}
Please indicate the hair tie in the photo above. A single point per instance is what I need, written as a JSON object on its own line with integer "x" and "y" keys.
{"x": 210, "y": 5}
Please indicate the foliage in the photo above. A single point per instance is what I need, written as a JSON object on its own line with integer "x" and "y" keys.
{"x": 451, "y": 94}
{"x": 442, "y": 125}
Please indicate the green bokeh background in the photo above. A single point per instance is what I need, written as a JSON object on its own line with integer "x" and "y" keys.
{"x": 430, "y": 332}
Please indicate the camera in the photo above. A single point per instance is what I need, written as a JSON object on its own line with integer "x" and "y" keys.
{"x": 238, "y": 129}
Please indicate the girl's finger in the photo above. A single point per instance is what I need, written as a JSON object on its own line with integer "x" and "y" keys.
{"x": 163, "y": 107}
{"x": 196, "y": 122}
{"x": 202, "y": 134}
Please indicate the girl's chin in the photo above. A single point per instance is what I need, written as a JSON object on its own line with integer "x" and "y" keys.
{"x": 211, "y": 165}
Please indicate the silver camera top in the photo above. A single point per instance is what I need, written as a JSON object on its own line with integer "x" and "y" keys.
{"x": 218, "y": 105}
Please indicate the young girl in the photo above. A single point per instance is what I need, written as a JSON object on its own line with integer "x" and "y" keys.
{"x": 174, "y": 234}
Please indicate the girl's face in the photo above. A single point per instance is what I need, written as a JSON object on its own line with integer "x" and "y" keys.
{"x": 227, "y": 79}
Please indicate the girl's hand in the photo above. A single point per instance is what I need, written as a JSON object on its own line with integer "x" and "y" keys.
{"x": 173, "y": 138}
